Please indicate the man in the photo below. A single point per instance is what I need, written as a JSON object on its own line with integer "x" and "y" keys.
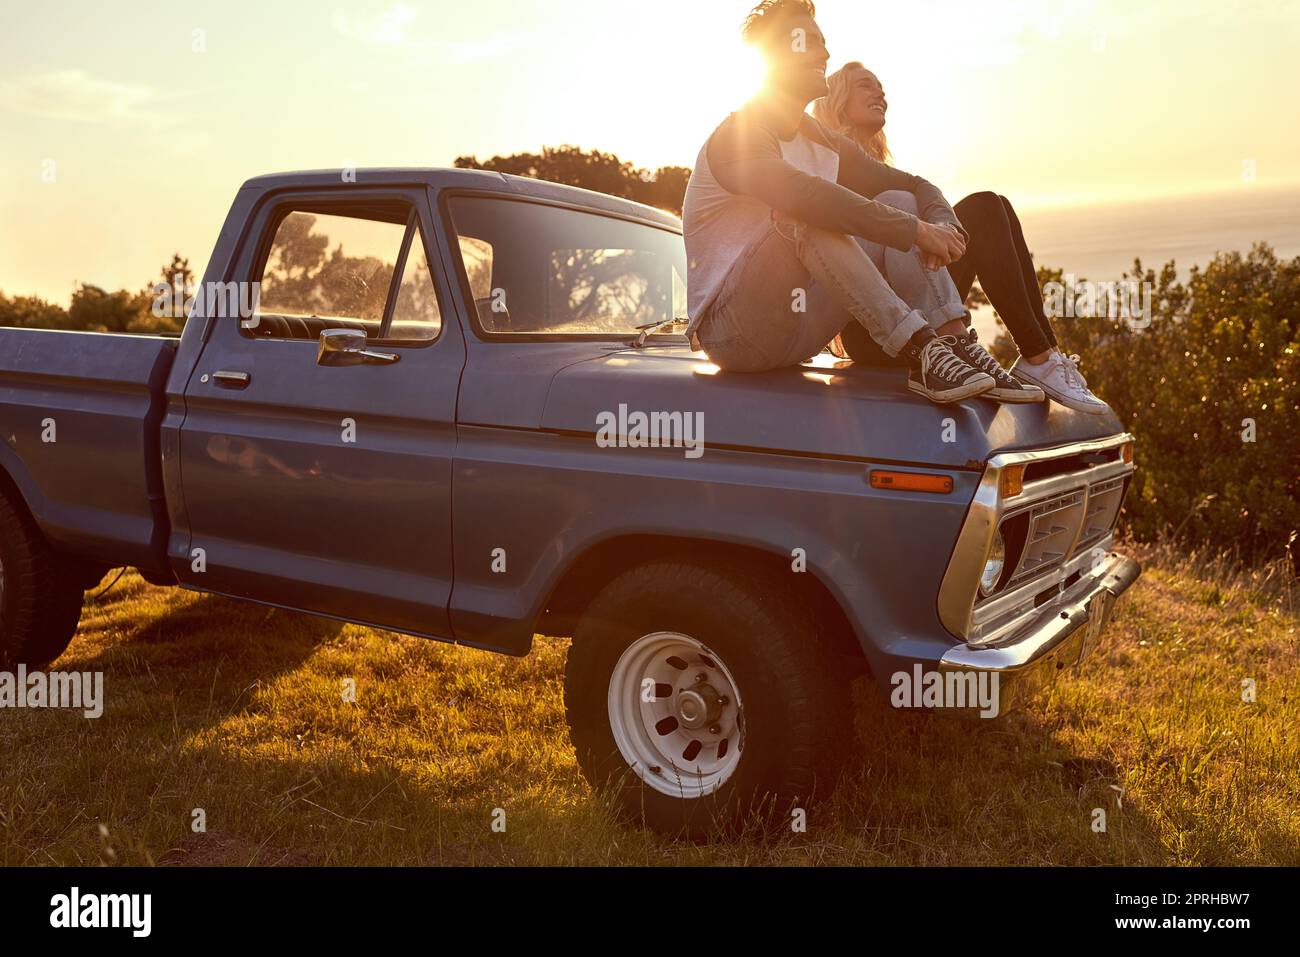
{"x": 771, "y": 210}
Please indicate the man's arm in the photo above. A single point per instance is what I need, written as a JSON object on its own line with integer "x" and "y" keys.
{"x": 745, "y": 158}
{"x": 870, "y": 177}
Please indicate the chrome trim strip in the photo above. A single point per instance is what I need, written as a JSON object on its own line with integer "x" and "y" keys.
{"x": 960, "y": 585}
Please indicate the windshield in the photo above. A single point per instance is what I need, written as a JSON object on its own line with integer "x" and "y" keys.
{"x": 547, "y": 270}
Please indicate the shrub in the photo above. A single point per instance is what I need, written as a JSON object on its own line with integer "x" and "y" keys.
{"x": 1222, "y": 352}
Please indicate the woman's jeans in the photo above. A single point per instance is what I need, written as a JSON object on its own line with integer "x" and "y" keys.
{"x": 797, "y": 286}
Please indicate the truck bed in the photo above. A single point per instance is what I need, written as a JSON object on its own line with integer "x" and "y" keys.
{"x": 80, "y": 415}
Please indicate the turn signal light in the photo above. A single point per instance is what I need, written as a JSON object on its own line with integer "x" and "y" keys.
{"x": 911, "y": 481}
{"x": 1012, "y": 481}
{"x": 1126, "y": 451}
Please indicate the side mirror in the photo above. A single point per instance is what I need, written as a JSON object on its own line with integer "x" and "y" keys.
{"x": 347, "y": 347}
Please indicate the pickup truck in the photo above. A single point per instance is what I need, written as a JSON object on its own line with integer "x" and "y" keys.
{"x": 459, "y": 405}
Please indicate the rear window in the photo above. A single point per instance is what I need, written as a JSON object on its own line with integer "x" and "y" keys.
{"x": 545, "y": 270}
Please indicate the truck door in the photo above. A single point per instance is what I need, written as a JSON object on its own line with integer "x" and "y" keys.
{"x": 316, "y": 472}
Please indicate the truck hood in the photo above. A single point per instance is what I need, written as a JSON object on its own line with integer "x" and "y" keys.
{"x": 825, "y": 407}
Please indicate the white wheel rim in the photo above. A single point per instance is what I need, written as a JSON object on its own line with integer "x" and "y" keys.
{"x": 676, "y": 715}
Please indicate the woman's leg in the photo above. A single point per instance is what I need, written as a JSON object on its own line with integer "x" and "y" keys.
{"x": 1027, "y": 270}
{"x": 1006, "y": 278}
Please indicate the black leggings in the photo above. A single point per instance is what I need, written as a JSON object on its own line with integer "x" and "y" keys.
{"x": 997, "y": 254}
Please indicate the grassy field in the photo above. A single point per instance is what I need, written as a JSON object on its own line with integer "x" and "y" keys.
{"x": 238, "y": 710}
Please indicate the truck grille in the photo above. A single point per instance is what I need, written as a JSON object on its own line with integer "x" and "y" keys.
{"x": 1060, "y": 527}
{"x": 1052, "y": 510}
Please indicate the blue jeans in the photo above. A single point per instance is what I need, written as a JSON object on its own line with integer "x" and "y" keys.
{"x": 933, "y": 294}
{"x": 794, "y": 288}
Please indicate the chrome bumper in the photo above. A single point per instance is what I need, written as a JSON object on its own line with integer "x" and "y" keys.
{"x": 1058, "y": 638}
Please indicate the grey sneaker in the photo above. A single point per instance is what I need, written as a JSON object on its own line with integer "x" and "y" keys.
{"x": 1007, "y": 388}
{"x": 942, "y": 375}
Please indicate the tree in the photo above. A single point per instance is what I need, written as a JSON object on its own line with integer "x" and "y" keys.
{"x": 665, "y": 188}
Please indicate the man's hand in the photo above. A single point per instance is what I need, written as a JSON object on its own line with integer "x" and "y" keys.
{"x": 940, "y": 245}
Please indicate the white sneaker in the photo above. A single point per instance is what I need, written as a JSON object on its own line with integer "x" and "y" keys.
{"x": 1074, "y": 361}
{"x": 1059, "y": 377}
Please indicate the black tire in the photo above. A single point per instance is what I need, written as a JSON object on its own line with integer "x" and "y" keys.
{"x": 796, "y": 704}
{"x": 40, "y": 597}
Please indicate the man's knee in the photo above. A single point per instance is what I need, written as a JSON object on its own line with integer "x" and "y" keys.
{"x": 899, "y": 199}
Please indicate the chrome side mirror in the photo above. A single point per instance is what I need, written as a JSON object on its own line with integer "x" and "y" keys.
{"x": 347, "y": 347}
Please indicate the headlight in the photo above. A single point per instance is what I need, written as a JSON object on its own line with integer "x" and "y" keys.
{"x": 993, "y": 567}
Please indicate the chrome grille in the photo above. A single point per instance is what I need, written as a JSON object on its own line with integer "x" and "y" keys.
{"x": 1053, "y": 526}
{"x": 1104, "y": 501}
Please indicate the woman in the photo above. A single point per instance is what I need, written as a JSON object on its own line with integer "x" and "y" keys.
{"x": 996, "y": 253}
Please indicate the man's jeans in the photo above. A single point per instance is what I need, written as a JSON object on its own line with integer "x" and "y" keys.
{"x": 797, "y": 286}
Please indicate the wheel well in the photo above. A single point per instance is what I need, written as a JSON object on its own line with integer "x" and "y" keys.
{"x": 88, "y": 573}
{"x": 605, "y": 561}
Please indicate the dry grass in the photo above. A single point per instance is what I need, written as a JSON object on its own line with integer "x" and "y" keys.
{"x": 238, "y": 710}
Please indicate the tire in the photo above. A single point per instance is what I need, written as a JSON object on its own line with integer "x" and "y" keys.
{"x": 771, "y": 691}
{"x": 40, "y": 598}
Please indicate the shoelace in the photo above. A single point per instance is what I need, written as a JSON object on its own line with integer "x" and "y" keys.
{"x": 984, "y": 360}
{"x": 1070, "y": 371}
{"x": 938, "y": 358}
{"x": 1072, "y": 363}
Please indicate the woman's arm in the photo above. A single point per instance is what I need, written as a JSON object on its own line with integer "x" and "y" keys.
{"x": 869, "y": 177}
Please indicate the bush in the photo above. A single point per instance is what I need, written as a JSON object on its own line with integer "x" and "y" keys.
{"x": 1220, "y": 359}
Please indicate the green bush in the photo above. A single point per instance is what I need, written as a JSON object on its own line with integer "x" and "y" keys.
{"x": 1222, "y": 351}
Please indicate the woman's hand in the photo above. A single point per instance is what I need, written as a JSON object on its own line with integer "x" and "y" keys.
{"x": 940, "y": 245}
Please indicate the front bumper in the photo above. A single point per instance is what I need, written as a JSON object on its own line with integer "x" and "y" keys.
{"x": 1058, "y": 638}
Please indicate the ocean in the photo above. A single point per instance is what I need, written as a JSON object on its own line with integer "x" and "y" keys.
{"x": 1099, "y": 242}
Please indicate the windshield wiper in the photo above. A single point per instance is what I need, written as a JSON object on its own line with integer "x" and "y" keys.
{"x": 650, "y": 328}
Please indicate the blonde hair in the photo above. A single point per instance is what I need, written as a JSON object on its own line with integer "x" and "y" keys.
{"x": 829, "y": 111}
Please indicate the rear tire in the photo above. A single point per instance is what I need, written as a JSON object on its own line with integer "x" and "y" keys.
{"x": 40, "y": 596}
{"x": 705, "y": 700}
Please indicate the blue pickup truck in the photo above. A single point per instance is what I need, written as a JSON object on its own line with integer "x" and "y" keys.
{"x": 459, "y": 405}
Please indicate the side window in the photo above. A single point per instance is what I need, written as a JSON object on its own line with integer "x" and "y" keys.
{"x": 415, "y": 314}
{"x": 328, "y": 270}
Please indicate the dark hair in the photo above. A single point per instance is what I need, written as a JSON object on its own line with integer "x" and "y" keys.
{"x": 762, "y": 18}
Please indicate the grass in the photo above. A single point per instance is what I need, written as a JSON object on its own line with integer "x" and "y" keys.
{"x": 238, "y": 710}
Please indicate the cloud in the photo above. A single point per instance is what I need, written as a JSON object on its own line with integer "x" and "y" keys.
{"x": 76, "y": 95}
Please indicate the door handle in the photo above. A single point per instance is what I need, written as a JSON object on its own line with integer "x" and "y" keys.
{"x": 232, "y": 380}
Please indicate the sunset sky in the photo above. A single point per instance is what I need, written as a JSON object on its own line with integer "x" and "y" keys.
{"x": 147, "y": 128}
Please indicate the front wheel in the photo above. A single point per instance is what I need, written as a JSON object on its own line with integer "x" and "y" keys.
{"x": 704, "y": 698}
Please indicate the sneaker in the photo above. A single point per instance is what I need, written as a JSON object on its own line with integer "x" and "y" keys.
{"x": 942, "y": 375}
{"x": 1074, "y": 361}
{"x": 1060, "y": 379}
{"x": 1007, "y": 388}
